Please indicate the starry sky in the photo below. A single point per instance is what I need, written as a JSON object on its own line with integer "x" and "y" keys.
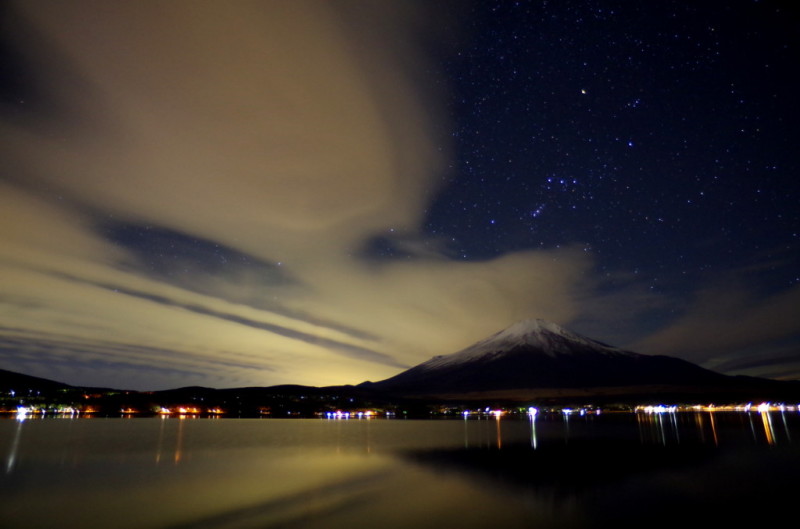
{"x": 256, "y": 193}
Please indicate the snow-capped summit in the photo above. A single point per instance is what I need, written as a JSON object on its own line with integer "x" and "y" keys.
{"x": 536, "y": 353}
{"x": 546, "y": 337}
{"x": 537, "y": 335}
{"x": 541, "y": 332}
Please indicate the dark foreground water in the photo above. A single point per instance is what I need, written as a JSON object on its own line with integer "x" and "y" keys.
{"x": 612, "y": 470}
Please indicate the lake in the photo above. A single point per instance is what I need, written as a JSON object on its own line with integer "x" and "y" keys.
{"x": 613, "y": 469}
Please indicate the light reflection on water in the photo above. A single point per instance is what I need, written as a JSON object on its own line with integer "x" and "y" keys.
{"x": 550, "y": 470}
{"x": 701, "y": 426}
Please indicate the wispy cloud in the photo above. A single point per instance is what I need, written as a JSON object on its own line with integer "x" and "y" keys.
{"x": 728, "y": 319}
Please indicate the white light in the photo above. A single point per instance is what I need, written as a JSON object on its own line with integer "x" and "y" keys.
{"x": 660, "y": 409}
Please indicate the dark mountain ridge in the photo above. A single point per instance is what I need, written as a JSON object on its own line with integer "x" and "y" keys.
{"x": 13, "y": 381}
{"x": 540, "y": 355}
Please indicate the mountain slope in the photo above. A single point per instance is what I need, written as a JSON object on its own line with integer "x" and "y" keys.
{"x": 540, "y": 354}
{"x": 22, "y": 384}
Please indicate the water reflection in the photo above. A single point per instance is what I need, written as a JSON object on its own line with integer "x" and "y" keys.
{"x": 303, "y": 508}
{"x": 539, "y": 469}
{"x": 700, "y": 420}
{"x": 713, "y": 420}
{"x": 11, "y": 458}
{"x": 179, "y": 441}
{"x": 653, "y": 427}
{"x": 160, "y": 443}
{"x": 786, "y": 427}
{"x": 592, "y": 472}
{"x": 703, "y": 426}
{"x": 770, "y": 433}
{"x": 532, "y": 420}
{"x": 499, "y": 432}
{"x": 165, "y": 446}
{"x": 663, "y": 428}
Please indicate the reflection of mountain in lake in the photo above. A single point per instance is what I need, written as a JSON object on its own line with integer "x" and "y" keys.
{"x": 652, "y": 471}
{"x": 569, "y": 467}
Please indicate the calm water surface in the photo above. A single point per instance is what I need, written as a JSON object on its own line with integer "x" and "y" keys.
{"x": 612, "y": 470}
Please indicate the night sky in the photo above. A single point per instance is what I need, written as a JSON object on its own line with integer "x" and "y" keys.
{"x": 256, "y": 193}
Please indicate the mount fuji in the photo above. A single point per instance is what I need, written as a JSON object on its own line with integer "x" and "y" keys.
{"x": 537, "y": 354}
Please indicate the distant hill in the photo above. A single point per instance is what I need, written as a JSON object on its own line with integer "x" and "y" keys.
{"x": 20, "y": 383}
